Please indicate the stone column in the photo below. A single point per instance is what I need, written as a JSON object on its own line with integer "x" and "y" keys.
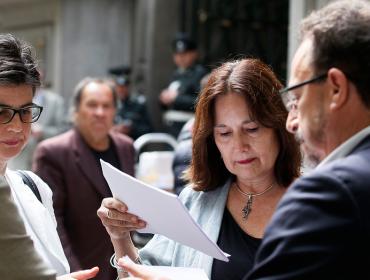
{"x": 96, "y": 35}
{"x": 156, "y": 21}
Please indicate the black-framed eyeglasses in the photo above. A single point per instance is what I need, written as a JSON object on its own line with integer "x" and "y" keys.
{"x": 27, "y": 114}
{"x": 289, "y": 99}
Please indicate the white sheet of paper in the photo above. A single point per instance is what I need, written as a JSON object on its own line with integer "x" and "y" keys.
{"x": 163, "y": 212}
{"x": 176, "y": 273}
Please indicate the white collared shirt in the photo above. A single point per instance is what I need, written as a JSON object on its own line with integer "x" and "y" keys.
{"x": 39, "y": 220}
{"x": 346, "y": 147}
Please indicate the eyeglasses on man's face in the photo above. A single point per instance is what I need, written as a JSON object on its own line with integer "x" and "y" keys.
{"x": 290, "y": 100}
{"x": 27, "y": 114}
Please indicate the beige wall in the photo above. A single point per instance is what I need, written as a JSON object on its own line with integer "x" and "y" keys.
{"x": 96, "y": 35}
{"x": 74, "y": 39}
{"x": 37, "y": 22}
{"x": 156, "y": 22}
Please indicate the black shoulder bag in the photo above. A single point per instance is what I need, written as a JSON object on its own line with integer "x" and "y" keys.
{"x": 29, "y": 182}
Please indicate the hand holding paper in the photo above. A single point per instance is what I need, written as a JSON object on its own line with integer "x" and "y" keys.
{"x": 117, "y": 221}
{"x": 163, "y": 212}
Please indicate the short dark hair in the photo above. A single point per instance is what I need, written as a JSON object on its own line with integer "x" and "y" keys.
{"x": 18, "y": 64}
{"x": 341, "y": 39}
{"x": 260, "y": 87}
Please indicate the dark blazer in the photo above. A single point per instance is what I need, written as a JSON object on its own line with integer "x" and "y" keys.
{"x": 321, "y": 227}
{"x": 68, "y": 166}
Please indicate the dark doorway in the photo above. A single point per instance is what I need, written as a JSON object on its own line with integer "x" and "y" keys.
{"x": 226, "y": 29}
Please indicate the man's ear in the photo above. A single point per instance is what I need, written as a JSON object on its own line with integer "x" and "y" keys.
{"x": 338, "y": 83}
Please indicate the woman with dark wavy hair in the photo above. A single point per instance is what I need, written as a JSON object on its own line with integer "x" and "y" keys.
{"x": 243, "y": 160}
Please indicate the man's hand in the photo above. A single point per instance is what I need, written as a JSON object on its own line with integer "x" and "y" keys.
{"x": 80, "y": 275}
{"x": 139, "y": 271}
{"x": 168, "y": 96}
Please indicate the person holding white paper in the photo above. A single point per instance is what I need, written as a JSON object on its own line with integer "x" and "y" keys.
{"x": 243, "y": 159}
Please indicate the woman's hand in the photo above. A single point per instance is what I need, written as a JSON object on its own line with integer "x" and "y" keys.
{"x": 139, "y": 272}
{"x": 114, "y": 216}
{"x": 80, "y": 275}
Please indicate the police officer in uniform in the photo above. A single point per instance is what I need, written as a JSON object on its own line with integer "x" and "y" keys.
{"x": 183, "y": 90}
{"x": 132, "y": 117}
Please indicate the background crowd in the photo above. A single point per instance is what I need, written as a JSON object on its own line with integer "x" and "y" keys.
{"x": 236, "y": 150}
{"x": 102, "y": 120}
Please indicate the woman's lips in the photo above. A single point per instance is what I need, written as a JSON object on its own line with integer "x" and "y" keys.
{"x": 11, "y": 142}
{"x": 246, "y": 161}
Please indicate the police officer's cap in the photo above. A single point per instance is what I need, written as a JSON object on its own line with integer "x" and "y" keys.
{"x": 120, "y": 75}
{"x": 182, "y": 42}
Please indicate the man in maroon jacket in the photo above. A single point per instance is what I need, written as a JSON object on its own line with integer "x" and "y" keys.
{"x": 69, "y": 164}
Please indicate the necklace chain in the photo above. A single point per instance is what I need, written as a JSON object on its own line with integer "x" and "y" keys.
{"x": 247, "y": 208}
{"x": 254, "y": 194}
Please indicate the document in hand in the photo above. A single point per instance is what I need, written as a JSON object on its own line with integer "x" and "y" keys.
{"x": 163, "y": 212}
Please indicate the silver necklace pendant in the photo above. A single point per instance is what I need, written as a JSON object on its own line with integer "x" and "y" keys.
{"x": 247, "y": 209}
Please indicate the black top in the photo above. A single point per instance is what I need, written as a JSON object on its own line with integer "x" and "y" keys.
{"x": 110, "y": 156}
{"x": 241, "y": 246}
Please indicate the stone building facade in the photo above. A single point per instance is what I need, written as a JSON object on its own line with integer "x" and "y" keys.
{"x": 79, "y": 38}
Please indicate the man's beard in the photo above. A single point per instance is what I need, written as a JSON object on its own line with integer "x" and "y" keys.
{"x": 311, "y": 158}
{"x": 315, "y": 135}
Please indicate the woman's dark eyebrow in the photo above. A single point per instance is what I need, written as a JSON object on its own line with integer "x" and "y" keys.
{"x": 247, "y": 121}
{"x": 219, "y": 125}
{"x": 223, "y": 125}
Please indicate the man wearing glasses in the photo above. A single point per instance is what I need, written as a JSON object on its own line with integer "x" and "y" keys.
{"x": 321, "y": 227}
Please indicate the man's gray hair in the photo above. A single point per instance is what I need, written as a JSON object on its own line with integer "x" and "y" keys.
{"x": 340, "y": 33}
{"x": 77, "y": 93}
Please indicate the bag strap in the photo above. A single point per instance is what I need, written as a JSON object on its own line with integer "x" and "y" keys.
{"x": 29, "y": 182}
